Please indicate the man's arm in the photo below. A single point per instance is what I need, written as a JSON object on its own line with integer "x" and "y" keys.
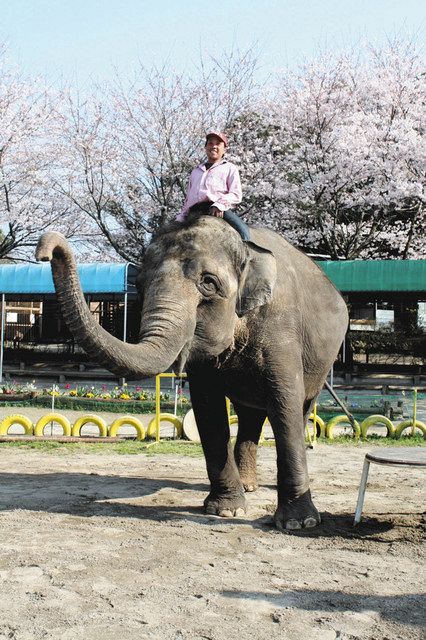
{"x": 182, "y": 215}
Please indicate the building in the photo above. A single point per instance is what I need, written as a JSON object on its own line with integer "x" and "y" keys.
{"x": 386, "y": 300}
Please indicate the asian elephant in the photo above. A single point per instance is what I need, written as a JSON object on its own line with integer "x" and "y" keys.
{"x": 255, "y": 321}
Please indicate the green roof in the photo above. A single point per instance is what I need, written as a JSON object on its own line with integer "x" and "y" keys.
{"x": 376, "y": 275}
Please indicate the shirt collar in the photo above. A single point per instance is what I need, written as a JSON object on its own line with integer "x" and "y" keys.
{"x": 203, "y": 167}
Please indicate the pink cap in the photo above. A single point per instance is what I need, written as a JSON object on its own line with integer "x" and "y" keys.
{"x": 218, "y": 134}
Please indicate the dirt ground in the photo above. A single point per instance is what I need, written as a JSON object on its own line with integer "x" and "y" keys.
{"x": 116, "y": 547}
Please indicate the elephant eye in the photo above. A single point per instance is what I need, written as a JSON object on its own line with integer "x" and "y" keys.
{"x": 209, "y": 284}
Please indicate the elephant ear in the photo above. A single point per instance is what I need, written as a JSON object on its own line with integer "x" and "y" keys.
{"x": 257, "y": 280}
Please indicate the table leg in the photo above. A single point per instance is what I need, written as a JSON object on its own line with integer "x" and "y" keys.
{"x": 361, "y": 492}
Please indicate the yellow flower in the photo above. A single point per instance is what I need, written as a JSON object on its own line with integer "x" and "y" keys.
{"x": 90, "y": 395}
{"x": 125, "y": 396}
{"x": 73, "y": 392}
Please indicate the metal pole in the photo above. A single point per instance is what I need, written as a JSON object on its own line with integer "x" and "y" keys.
{"x": 3, "y": 308}
{"x": 125, "y": 314}
{"x": 341, "y": 404}
{"x": 157, "y": 407}
{"x": 361, "y": 492}
{"x": 413, "y": 430}
{"x": 176, "y": 399}
{"x": 125, "y": 318}
{"x": 315, "y": 422}
{"x": 54, "y": 389}
{"x": 126, "y": 277}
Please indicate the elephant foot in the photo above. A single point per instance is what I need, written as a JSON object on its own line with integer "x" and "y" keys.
{"x": 249, "y": 484}
{"x": 299, "y": 513}
{"x": 245, "y": 455}
{"x": 226, "y": 505}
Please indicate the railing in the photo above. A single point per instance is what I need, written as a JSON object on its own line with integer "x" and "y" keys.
{"x": 320, "y": 428}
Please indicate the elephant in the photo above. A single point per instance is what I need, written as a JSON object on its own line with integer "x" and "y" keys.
{"x": 257, "y": 322}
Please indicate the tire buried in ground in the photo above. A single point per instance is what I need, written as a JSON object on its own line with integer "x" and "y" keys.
{"x": 52, "y": 417}
{"x": 23, "y": 421}
{"x": 90, "y": 419}
{"x": 128, "y": 420}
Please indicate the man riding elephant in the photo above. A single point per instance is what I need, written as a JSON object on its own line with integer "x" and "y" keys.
{"x": 215, "y": 187}
{"x": 257, "y": 322}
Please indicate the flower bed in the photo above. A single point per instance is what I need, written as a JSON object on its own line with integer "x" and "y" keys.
{"x": 16, "y": 397}
{"x": 125, "y": 399}
{"x": 8, "y": 389}
{"x": 125, "y": 392}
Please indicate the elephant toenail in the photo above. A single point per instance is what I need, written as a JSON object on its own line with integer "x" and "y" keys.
{"x": 292, "y": 524}
{"x": 309, "y": 522}
{"x": 239, "y": 512}
{"x": 226, "y": 513}
{"x": 279, "y": 525}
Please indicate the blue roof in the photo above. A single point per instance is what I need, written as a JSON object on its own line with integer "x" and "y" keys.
{"x": 37, "y": 278}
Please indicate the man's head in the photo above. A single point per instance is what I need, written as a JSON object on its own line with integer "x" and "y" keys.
{"x": 216, "y": 143}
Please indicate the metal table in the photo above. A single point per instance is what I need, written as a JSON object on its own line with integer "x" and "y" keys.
{"x": 398, "y": 457}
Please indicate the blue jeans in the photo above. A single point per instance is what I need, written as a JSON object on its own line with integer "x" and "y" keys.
{"x": 231, "y": 218}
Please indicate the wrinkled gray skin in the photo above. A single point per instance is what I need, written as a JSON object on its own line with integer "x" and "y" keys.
{"x": 257, "y": 322}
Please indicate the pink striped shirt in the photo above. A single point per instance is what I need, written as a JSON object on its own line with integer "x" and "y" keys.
{"x": 220, "y": 184}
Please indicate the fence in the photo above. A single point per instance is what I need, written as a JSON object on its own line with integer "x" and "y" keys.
{"x": 317, "y": 427}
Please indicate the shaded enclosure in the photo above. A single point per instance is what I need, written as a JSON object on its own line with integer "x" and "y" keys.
{"x": 386, "y": 300}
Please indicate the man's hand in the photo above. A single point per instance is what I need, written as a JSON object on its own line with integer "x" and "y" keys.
{"x": 217, "y": 213}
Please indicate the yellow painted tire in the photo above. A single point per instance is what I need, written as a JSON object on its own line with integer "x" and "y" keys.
{"x": 165, "y": 417}
{"x": 52, "y": 417}
{"x": 89, "y": 419}
{"x": 320, "y": 423}
{"x": 342, "y": 419}
{"x": 377, "y": 419}
{"x": 25, "y": 422}
{"x": 266, "y": 423}
{"x": 129, "y": 420}
{"x": 233, "y": 420}
{"x": 409, "y": 423}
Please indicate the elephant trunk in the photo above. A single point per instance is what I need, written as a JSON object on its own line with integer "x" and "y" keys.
{"x": 167, "y": 325}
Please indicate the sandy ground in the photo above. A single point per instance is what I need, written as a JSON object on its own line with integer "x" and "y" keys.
{"x": 116, "y": 547}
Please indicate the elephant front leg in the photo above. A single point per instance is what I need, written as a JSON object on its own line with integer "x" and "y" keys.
{"x": 226, "y": 497}
{"x": 295, "y": 507}
{"x": 250, "y": 422}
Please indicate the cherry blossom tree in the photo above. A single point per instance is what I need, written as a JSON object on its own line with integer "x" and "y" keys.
{"x": 86, "y": 169}
{"x": 332, "y": 155}
{"x": 27, "y": 202}
{"x": 336, "y": 160}
{"x": 128, "y": 151}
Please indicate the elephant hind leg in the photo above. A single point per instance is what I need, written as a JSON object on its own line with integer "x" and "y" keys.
{"x": 250, "y": 422}
{"x": 307, "y": 407}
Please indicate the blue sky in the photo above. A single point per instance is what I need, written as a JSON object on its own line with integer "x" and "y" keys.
{"x": 84, "y": 40}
